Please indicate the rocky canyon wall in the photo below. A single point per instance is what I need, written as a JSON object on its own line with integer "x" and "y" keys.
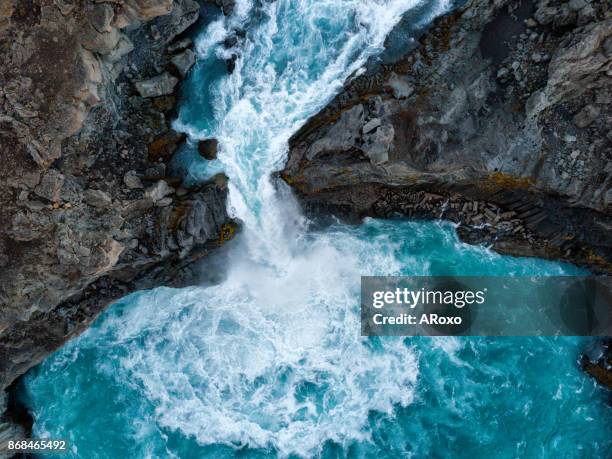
{"x": 498, "y": 119}
{"x": 90, "y": 209}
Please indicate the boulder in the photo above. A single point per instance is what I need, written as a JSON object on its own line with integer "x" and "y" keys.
{"x": 502, "y": 74}
{"x": 557, "y": 16}
{"x": 227, "y": 6}
{"x": 164, "y": 202}
{"x": 97, "y": 198}
{"x": 546, "y": 14}
{"x": 208, "y": 148}
{"x": 184, "y": 61}
{"x": 124, "y": 47}
{"x": 231, "y": 41}
{"x": 378, "y": 145}
{"x": 158, "y": 191}
{"x": 50, "y": 185}
{"x": 164, "y": 146}
{"x": 101, "y": 17}
{"x": 132, "y": 181}
{"x": 371, "y": 125}
{"x": 231, "y": 63}
{"x": 102, "y": 43}
{"x": 161, "y": 85}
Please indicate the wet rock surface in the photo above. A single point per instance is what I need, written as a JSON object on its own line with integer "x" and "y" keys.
{"x": 600, "y": 366}
{"x": 89, "y": 211}
{"x": 499, "y": 120}
{"x": 208, "y": 148}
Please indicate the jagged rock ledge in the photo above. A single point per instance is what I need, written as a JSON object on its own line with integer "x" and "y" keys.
{"x": 90, "y": 212}
{"x": 498, "y": 120}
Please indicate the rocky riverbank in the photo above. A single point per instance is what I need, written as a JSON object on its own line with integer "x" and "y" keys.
{"x": 499, "y": 119}
{"x": 90, "y": 210}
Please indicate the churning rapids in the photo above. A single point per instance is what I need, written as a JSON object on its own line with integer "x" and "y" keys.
{"x": 269, "y": 362}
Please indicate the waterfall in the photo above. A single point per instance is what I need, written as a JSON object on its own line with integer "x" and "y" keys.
{"x": 270, "y": 361}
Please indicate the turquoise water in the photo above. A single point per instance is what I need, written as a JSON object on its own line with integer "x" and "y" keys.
{"x": 270, "y": 362}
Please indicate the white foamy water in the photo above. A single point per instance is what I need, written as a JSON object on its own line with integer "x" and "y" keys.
{"x": 273, "y": 356}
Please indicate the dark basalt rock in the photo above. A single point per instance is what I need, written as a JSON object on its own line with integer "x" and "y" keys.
{"x": 208, "y": 148}
{"x": 164, "y": 146}
{"x": 230, "y": 42}
{"x": 231, "y": 63}
{"x": 601, "y": 368}
{"x": 227, "y": 6}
